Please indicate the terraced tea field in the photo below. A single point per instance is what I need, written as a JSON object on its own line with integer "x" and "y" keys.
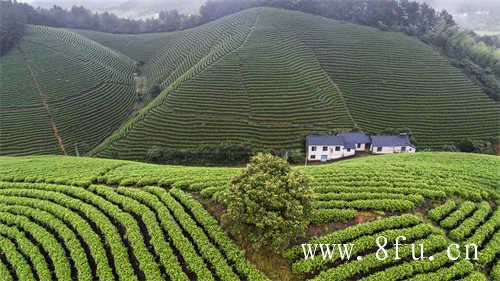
{"x": 270, "y": 77}
{"x": 64, "y": 218}
{"x": 59, "y": 91}
{"x": 262, "y": 76}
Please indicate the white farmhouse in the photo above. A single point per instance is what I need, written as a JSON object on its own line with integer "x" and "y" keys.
{"x": 326, "y": 148}
{"x": 391, "y": 144}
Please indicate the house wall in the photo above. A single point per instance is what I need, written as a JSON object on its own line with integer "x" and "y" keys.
{"x": 363, "y": 147}
{"x": 330, "y": 153}
{"x": 392, "y": 149}
{"x": 349, "y": 153}
{"x": 385, "y": 150}
{"x": 409, "y": 149}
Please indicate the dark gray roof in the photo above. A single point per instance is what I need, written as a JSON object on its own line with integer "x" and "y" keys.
{"x": 324, "y": 140}
{"x": 353, "y": 138}
{"x": 399, "y": 140}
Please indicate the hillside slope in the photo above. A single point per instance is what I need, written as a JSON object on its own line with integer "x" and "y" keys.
{"x": 151, "y": 227}
{"x": 142, "y": 47}
{"x": 270, "y": 77}
{"x": 61, "y": 91}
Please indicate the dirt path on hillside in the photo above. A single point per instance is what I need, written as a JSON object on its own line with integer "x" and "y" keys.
{"x": 44, "y": 102}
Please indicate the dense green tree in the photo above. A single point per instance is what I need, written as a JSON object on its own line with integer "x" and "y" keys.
{"x": 268, "y": 203}
{"x": 12, "y": 21}
{"x": 475, "y": 146}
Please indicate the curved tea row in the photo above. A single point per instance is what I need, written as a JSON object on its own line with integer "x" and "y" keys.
{"x": 58, "y": 232}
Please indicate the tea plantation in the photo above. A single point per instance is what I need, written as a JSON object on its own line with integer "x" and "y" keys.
{"x": 61, "y": 92}
{"x": 262, "y": 76}
{"x": 64, "y": 218}
{"x": 270, "y": 77}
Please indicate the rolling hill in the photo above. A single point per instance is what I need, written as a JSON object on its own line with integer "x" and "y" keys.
{"x": 262, "y": 76}
{"x": 60, "y": 92}
{"x": 66, "y": 217}
{"x": 270, "y": 76}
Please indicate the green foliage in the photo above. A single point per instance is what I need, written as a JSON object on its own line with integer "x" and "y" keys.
{"x": 441, "y": 211}
{"x": 217, "y": 154}
{"x": 363, "y": 244}
{"x": 234, "y": 92}
{"x": 370, "y": 261}
{"x": 155, "y": 91}
{"x": 233, "y": 253}
{"x": 148, "y": 230}
{"x": 495, "y": 272}
{"x": 221, "y": 154}
{"x": 458, "y": 215}
{"x": 475, "y": 146}
{"x": 51, "y": 207}
{"x": 460, "y": 268}
{"x": 383, "y": 204}
{"x": 328, "y": 215}
{"x": 475, "y": 276}
{"x": 356, "y": 231}
{"x": 88, "y": 90}
{"x": 12, "y": 21}
{"x": 449, "y": 148}
{"x": 487, "y": 229}
{"x": 467, "y": 51}
{"x": 470, "y": 224}
{"x": 268, "y": 203}
{"x": 490, "y": 251}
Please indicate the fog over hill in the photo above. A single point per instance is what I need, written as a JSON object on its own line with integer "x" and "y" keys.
{"x": 482, "y": 15}
{"x": 126, "y": 8}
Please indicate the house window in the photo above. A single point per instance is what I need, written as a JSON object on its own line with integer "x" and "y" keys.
{"x": 313, "y": 148}
{"x": 325, "y": 148}
{"x": 348, "y": 150}
{"x": 337, "y": 148}
{"x": 359, "y": 145}
{"x": 313, "y": 156}
{"x": 403, "y": 149}
{"x": 379, "y": 149}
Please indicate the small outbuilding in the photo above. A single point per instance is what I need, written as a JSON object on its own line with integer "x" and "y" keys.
{"x": 391, "y": 144}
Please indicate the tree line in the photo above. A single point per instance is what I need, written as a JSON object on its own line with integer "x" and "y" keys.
{"x": 12, "y": 21}
{"x": 478, "y": 57}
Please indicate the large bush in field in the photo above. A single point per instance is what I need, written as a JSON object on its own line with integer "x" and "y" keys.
{"x": 268, "y": 203}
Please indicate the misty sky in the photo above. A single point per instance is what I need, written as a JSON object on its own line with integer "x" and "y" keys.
{"x": 451, "y": 5}
{"x": 125, "y": 8}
